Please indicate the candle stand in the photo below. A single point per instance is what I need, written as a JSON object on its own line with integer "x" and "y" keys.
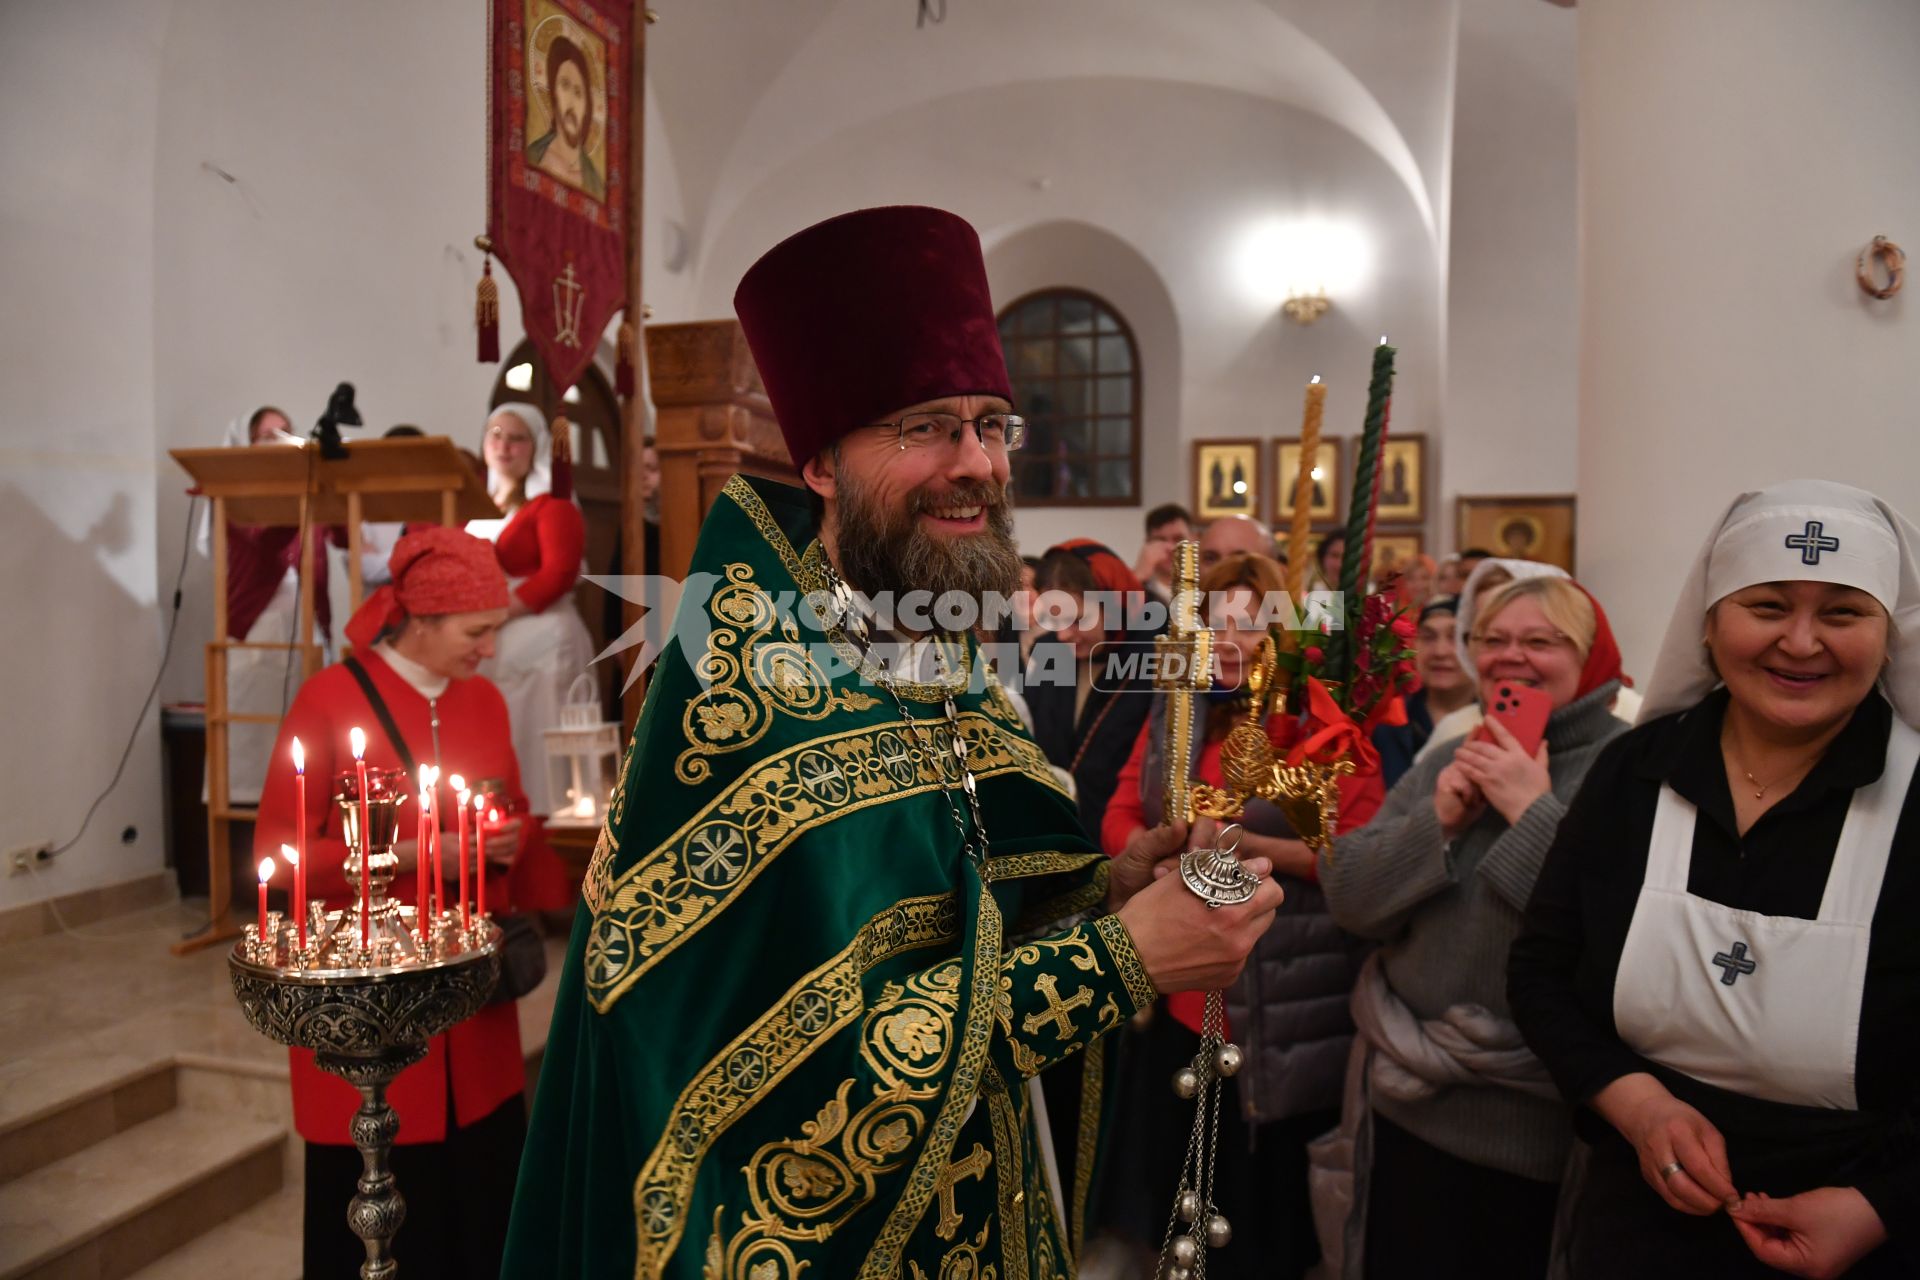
{"x": 367, "y": 1010}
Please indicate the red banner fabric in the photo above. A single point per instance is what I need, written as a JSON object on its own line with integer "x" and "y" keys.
{"x": 557, "y": 175}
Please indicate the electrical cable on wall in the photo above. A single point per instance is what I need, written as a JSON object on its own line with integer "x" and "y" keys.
{"x": 146, "y": 705}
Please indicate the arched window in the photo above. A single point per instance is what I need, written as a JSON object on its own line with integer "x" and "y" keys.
{"x": 1076, "y": 380}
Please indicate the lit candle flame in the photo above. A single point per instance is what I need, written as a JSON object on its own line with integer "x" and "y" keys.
{"x": 266, "y": 869}
{"x": 457, "y": 782}
{"x": 1315, "y": 378}
{"x": 289, "y": 855}
{"x": 1383, "y": 339}
{"x": 479, "y": 803}
{"x": 493, "y": 815}
{"x": 426, "y": 778}
{"x": 299, "y": 757}
{"x": 359, "y": 740}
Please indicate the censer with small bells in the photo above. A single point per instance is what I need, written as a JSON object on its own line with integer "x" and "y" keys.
{"x": 1307, "y": 793}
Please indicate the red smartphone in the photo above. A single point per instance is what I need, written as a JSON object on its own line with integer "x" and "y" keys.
{"x": 1523, "y": 710}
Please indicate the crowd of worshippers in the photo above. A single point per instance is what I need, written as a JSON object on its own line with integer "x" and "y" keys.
{"x": 1496, "y": 1029}
{"x": 1506, "y": 992}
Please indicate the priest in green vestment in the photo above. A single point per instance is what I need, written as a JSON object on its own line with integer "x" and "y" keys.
{"x": 841, "y": 914}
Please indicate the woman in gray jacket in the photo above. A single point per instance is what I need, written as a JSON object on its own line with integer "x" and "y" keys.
{"x": 1459, "y": 1136}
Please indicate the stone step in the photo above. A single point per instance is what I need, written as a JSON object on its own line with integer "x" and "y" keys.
{"x": 50, "y": 1111}
{"x": 105, "y": 1212}
{"x": 259, "y": 1243}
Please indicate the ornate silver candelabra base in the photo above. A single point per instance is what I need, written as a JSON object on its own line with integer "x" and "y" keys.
{"x": 367, "y": 1026}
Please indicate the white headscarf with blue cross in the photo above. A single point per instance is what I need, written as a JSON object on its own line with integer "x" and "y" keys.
{"x": 1799, "y": 531}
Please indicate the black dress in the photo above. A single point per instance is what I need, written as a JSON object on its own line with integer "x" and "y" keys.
{"x": 1561, "y": 977}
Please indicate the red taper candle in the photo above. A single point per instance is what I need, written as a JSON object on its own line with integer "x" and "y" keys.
{"x": 359, "y": 740}
{"x": 300, "y": 843}
{"x": 266, "y": 874}
{"x": 479, "y": 858}
{"x": 422, "y": 844}
{"x": 460, "y": 819}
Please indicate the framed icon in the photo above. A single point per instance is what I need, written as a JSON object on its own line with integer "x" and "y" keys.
{"x": 1393, "y": 550}
{"x": 1403, "y": 480}
{"x": 1328, "y": 479}
{"x": 1519, "y": 527}
{"x": 1227, "y": 479}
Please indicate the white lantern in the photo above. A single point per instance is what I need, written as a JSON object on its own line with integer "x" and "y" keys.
{"x": 583, "y": 759}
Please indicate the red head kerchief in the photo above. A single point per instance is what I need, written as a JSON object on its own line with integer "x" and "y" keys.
{"x": 435, "y": 570}
{"x": 1110, "y": 573}
{"x": 868, "y": 313}
{"x": 1603, "y": 659}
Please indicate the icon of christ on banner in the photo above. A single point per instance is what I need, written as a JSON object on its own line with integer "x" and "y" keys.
{"x": 567, "y": 105}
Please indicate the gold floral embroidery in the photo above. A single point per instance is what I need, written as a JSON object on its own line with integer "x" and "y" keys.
{"x": 683, "y": 885}
{"x": 962, "y": 1262}
{"x": 1132, "y": 972}
{"x": 812, "y": 1011}
{"x": 804, "y": 1189}
{"x": 755, "y": 666}
{"x": 1087, "y": 1140}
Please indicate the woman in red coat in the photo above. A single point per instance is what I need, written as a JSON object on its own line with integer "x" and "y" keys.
{"x": 544, "y": 646}
{"x": 418, "y": 643}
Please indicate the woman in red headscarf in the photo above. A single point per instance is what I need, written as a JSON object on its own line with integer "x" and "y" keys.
{"x": 1458, "y": 1133}
{"x": 417, "y": 645}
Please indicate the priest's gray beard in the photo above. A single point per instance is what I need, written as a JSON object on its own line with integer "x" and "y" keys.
{"x": 889, "y": 552}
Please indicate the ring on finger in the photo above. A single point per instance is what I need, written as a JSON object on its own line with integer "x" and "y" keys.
{"x": 1668, "y": 1170}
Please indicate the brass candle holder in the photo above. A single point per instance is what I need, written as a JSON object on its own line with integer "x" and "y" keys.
{"x": 367, "y": 1010}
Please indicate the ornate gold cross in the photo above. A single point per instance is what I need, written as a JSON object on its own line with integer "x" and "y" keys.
{"x": 1057, "y": 1009}
{"x": 974, "y": 1166}
{"x": 1185, "y": 665}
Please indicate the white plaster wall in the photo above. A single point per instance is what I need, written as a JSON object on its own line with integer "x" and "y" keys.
{"x": 1734, "y": 156}
{"x": 1176, "y": 174}
{"x": 81, "y": 631}
{"x": 1512, "y": 288}
{"x": 343, "y": 248}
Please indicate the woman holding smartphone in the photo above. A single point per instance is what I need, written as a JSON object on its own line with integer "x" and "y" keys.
{"x": 1458, "y": 1134}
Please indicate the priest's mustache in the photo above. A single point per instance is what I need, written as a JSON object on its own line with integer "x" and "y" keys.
{"x": 991, "y": 497}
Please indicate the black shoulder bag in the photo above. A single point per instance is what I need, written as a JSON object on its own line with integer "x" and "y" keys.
{"x": 523, "y": 954}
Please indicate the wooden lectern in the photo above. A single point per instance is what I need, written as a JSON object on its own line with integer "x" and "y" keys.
{"x": 409, "y": 480}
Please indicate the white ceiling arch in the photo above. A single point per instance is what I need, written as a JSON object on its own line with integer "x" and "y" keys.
{"x": 747, "y": 86}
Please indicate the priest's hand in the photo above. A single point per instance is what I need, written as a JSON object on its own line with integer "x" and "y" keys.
{"x": 1682, "y": 1156}
{"x": 1817, "y": 1233}
{"x": 1509, "y": 778}
{"x": 1150, "y": 852}
{"x": 1185, "y": 946}
{"x": 1456, "y": 801}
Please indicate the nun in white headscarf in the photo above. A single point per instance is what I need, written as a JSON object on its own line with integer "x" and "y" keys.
{"x": 1719, "y": 963}
{"x": 544, "y": 645}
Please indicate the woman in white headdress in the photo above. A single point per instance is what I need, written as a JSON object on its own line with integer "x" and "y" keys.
{"x": 544, "y": 644}
{"x": 1718, "y": 964}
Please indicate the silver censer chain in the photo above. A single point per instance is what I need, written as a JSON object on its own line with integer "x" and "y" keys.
{"x": 1196, "y": 1223}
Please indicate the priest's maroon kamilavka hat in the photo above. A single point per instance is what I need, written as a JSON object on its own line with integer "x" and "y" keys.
{"x": 865, "y": 314}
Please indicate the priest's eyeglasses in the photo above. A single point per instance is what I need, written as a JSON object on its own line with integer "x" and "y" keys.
{"x": 1534, "y": 644}
{"x": 998, "y": 432}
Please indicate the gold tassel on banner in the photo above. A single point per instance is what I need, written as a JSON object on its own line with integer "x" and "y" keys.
{"x": 486, "y": 305}
{"x": 562, "y": 458}
{"x": 626, "y": 358}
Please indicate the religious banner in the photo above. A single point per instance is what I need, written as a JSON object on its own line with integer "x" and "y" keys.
{"x": 556, "y": 178}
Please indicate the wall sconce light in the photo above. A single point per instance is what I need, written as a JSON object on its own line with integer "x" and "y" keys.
{"x": 1305, "y": 308}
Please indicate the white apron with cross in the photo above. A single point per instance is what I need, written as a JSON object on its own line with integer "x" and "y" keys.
{"x": 1766, "y": 1006}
